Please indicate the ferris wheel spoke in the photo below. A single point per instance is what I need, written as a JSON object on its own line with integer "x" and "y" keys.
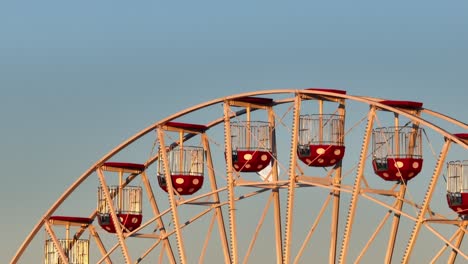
{"x": 230, "y": 185}
{"x": 292, "y": 180}
{"x": 115, "y": 218}
{"x": 356, "y": 187}
{"x": 427, "y": 198}
{"x": 373, "y": 236}
{"x": 275, "y": 192}
{"x": 337, "y": 178}
{"x": 216, "y": 200}
{"x": 172, "y": 202}
{"x": 257, "y": 230}
{"x": 160, "y": 224}
{"x": 63, "y": 257}
{"x": 312, "y": 229}
{"x": 461, "y": 234}
{"x": 99, "y": 243}
{"x": 106, "y": 256}
{"x": 395, "y": 224}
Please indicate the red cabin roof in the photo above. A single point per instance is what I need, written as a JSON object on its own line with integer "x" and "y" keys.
{"x": 255, "y": 100}
{"x": 125, "y": 165}
{"x": 58, "y": 219}
{"x": 327, "y": 90}
{"x": 402, "y": 104}
{"x": 187, "y": 126}
{"x": 461, "y": 135}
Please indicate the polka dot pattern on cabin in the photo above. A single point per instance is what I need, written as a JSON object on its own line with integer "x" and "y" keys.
{"x": 184, "y": 184}
{"x": 322, "y": 155}
{"x": 251, "y": 160}
{"x": 397, "y": 169}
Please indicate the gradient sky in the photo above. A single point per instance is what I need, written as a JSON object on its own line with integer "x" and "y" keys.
{"x": 79, "y": 77}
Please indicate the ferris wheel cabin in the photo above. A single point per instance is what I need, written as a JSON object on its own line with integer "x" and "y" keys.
{"x": 68, "y": 249}
{"x": 185, "y": 163}
{"x": 251, "y": 140}
{"x": 397, "y": 150}
{"x": 250, "y": 144}
{"x": 126, "y": 200}
{"x": 457, "y": 184}
{"x": 321, "y": 136}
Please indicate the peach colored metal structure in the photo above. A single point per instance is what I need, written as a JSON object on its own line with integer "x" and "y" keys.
{"x": 287, "y": 213}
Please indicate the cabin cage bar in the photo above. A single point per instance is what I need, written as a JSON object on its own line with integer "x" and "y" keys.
{"x": 321, "y": 130}
{"x": 457, "y": 187}
{"x": 321, "y": 139}
{"x": 77, "y": 251}
{"x": 396, "y": 142}
{"x": 186, "y": 164}
{"x": 251, "y": 145}
{"x": 130, "y": 201}
{"x": 250, "y": 135}
{"x": 457, "y": 176}
{"x": 127, "y": 203}
{"x": 186, "y": 160}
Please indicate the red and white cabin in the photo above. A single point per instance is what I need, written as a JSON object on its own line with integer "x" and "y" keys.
{"x": 457, "y": 184}
{"x": 127, "y": 201}
{"x": 321, "y": 136}
{"x": 397, "y": 150}
{"x": 186, "y": 163}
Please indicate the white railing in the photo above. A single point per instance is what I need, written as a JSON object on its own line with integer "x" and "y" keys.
{"x": 321, "y": 130}
{"x": 457, "y": 176}
{"x": 77, "y": 251}
{"x": 188, "y": 160}
{"x": 397, "y": 142}
{"x": 128, "y": 200}
{"x": 250, "y": 135}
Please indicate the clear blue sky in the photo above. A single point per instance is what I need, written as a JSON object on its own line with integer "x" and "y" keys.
{"x": 79, "y": 77}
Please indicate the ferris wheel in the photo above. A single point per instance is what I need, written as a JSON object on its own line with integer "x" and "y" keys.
{"x": 273, "y": 176}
